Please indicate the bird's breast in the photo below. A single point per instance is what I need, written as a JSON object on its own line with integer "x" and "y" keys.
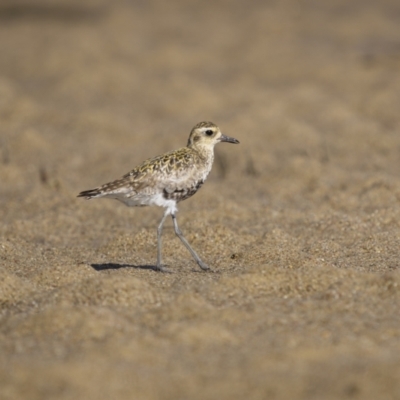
{"x": 182, "y": 193}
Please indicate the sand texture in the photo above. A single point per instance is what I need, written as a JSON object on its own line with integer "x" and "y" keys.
{"x": 300, "y": 222}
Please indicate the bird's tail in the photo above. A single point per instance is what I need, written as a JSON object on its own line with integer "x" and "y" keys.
{"x": 89, "y": 194}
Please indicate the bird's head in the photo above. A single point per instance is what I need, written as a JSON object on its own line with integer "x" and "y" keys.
{"x": 207, "y": 134}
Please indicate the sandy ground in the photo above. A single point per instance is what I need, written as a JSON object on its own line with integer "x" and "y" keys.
{"x": 300, "y": 222}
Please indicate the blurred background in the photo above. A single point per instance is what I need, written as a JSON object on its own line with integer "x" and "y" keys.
{"x": 300, "y": 220}
{"x": 129, "y": 79}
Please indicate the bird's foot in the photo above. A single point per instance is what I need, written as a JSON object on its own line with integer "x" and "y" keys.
{"x": 162, "y": 268}
{"x": 204, "y": 266}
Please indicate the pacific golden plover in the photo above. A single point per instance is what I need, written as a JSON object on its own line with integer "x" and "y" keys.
{"x": 168, "y": 179}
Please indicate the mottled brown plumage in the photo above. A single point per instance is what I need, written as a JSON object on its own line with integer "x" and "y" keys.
{"x": 168, "y": 179}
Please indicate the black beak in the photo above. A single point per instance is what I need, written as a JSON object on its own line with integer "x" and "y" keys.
{"x": 228, "y": 139}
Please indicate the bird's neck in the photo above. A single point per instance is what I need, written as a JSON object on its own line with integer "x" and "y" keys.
{"x": 205, "y": 152}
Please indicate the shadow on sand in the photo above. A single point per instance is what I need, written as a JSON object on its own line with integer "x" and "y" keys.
{"x": 105, "y": 266}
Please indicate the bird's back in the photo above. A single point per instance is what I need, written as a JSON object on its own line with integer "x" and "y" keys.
{"x": 175, "y": 175}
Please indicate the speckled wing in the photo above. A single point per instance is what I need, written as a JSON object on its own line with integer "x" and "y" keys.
{"x": 173, "y": 174}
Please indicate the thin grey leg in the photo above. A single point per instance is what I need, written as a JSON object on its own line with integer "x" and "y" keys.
{"x": 159, "y": 233}
{"x": 187, "y": 245}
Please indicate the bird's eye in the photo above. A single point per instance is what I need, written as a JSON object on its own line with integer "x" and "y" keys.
{"x": 209, "y": 132}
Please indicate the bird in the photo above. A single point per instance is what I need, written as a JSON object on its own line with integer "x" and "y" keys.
{"x": 168, "y": 179}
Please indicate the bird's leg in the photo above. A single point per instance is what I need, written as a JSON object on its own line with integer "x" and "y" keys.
{"x": 159, "y": 233}
{"x": 187, "y": 245}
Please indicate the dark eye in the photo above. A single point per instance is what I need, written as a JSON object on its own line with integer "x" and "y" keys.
{"x": 209, "y": 132}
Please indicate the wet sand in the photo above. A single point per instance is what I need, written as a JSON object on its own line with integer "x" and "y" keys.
{"x": 300, "y": 222}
